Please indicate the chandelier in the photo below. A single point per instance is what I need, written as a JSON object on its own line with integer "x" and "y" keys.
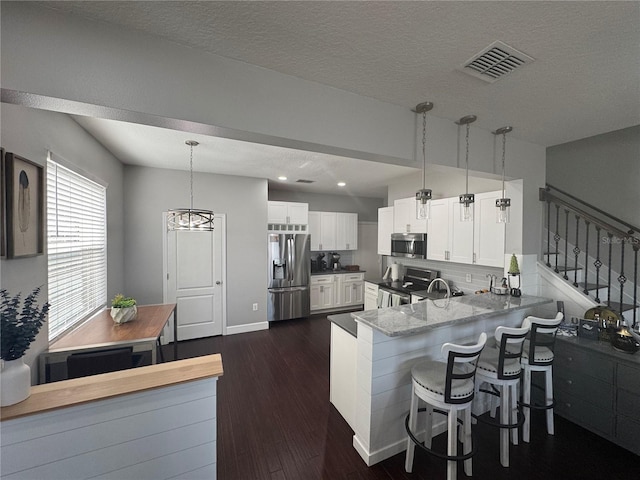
{"x": 190, "y": 218}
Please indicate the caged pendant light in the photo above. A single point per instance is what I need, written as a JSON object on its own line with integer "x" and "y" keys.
{"x": 467, "y": 199}
{"x": 190, "y": 218}
{"x": 503, "y": 204}
{"x": 423, "y": 196}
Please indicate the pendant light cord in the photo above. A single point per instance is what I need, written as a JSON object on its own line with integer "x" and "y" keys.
{"x": 424, "y": 148}
{"x": 504, "y": 144}
{"x": 191, "y": 178}
{"x": 467, "y": 161}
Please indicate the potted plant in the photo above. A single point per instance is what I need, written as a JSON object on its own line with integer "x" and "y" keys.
{"x": 19, "y": 325}
{"x": 123, "y": 309}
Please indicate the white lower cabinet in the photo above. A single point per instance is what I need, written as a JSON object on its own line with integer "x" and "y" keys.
{"x": 370, "y": 296}
{"x": 322, "y": 292}
{"x": 351, "y": 289}
{"x": 336, "y": 291}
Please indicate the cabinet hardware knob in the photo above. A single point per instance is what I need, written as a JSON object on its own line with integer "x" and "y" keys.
{"x": 570, "y": 359}
{"x": 568, "y": 405}
{"x": 569, "y": 382}
{"x": 218, "y": 282}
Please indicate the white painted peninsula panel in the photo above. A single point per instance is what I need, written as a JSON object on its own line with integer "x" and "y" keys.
{"x": 163, "y": 433}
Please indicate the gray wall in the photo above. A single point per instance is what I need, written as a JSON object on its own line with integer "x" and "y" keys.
{"x": 603, "y": 170}
{"x": 365, "y": 207}
{"x": 151, "y": 191}
{"x": 30, "y": 133}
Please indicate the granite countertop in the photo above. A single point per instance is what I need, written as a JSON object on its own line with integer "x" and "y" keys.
{"x": 346, "y": 322}
{"x": 426, "y": 315}
{"x": 336, "y": 272}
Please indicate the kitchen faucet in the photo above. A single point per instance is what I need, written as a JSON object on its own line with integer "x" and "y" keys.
{"x": 433, "y": 282}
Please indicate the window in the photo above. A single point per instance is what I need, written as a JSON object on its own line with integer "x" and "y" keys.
{"x": 77, "y": 247}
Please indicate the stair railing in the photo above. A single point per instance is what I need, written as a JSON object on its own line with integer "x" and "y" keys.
{"x": 613, "y": 229}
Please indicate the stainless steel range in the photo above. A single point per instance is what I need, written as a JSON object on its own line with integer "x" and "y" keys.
{"x": 394, "y": 293}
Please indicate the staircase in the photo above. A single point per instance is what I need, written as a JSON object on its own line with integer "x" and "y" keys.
{"x": 593, "y": 251}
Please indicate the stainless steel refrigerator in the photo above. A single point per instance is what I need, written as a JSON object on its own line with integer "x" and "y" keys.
{"x": 289, "y": 270}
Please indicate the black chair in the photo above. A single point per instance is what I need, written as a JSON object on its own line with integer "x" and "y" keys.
{"x": 99, "y": 361}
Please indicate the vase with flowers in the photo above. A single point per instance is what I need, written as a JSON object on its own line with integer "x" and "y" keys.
{"x": 20, "y": 322}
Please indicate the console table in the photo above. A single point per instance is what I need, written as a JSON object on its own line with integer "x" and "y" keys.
{"x": 598, "y": 388}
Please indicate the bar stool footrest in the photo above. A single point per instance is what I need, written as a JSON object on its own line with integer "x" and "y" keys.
{"x": 443, "y": 456}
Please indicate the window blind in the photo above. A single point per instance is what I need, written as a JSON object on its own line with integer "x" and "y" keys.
{"x": 77, "y": 247}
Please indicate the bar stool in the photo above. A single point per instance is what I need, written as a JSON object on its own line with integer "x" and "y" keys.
{"x": 450, "y": 388}
{"x": 500, "y": 367}
{"x": 537, "y": 356}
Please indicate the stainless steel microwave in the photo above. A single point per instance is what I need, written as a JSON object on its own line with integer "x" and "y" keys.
{"x": 410, "y": 245}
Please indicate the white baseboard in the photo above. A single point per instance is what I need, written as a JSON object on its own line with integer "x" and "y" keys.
{"x": 249, "y": 327}
{"x": 371, "y": 458}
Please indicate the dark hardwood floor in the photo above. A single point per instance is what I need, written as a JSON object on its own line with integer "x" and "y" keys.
{"x": 275, "y": 421}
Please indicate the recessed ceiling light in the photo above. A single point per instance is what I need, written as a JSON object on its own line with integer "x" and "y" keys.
{"x": 341, "y": 184}
{"x": 282, "y": 178}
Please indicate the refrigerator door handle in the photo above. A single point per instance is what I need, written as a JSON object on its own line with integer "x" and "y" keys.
{"x": 291, "y": 257}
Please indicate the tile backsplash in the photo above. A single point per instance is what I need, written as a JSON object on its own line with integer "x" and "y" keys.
{"x": 454, "y": 273}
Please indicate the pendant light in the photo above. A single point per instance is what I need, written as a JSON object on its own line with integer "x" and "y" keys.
{"x": 503, "y": 204}
{"x": 467, "y": 199}
{"x": 190, "y": 218}
{"x": 423, "y": 196}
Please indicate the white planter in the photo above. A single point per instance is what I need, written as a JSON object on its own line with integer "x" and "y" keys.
{"x": 15, "y": 382}
{"x": 123, "y": 315}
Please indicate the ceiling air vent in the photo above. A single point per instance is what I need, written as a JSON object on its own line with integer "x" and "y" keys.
{"x": 302, "y": 180}
{"x": 495, "y": 61}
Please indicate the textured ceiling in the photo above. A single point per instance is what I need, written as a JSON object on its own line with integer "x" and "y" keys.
{"x": 584, "y": 81}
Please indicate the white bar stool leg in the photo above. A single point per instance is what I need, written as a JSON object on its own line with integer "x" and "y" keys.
{"x": 513, "y": 396}
{"x": 526, "y": 399}
{"x": 548, "y": 389}
{"x": 452, "y": 444}
{"x": 413, "y": 422}
{"x": 428, "y": 426}
{"x": 504, "y": 419}
{"x": 467, "y": 440}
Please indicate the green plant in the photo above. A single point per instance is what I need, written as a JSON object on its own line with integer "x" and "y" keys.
{"x": 19, "y": 326}
{"x": 514, "y": 269}
{"x": 120, "y": 301}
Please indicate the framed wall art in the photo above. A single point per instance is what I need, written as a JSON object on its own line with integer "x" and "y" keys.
{"x": 24, "y": 185}
{"x": 3, "y": 194}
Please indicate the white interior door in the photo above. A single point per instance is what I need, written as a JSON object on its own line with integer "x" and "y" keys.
{"x": 194, "y": 272}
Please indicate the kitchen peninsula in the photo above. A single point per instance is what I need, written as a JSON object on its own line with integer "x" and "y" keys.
{"x": 388, "y": 342}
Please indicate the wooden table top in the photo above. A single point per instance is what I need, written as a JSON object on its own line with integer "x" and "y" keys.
{"x": 101, "y": 330}
{"x": 70, "y": 393}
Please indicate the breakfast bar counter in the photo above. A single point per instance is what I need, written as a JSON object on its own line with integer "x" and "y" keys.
{"x": 389, "y": 341}
{"x": 429, "y": 314}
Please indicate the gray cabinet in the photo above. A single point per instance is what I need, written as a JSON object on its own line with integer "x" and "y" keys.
{"x": 598, "y": 389}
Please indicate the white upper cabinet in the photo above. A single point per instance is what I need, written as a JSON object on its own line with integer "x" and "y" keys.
{"x": 346, "y": 231}
{"x": 488, "y": 234}
{"x": 288, "y": 213}
{"x": 333, "y": 231}
{"x": 404, "y": 217}
{"x": 385, "y": 229}
{"x": 480, "y": 242}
